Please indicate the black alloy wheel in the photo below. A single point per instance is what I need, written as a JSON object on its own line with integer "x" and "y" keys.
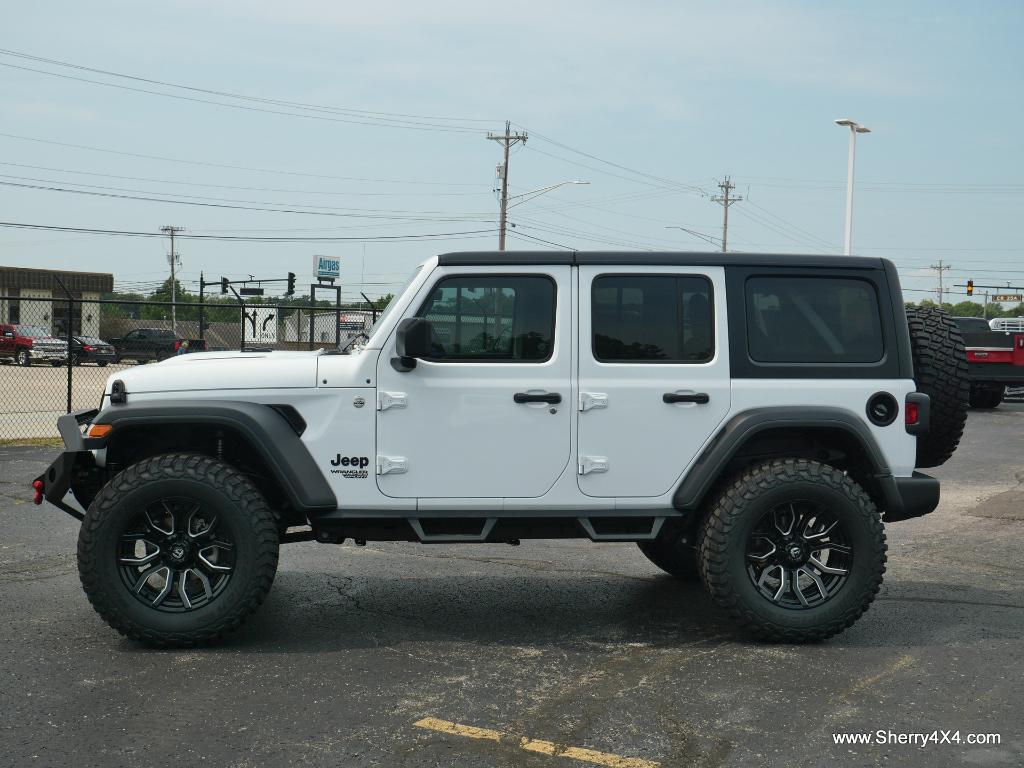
{"x": 799, "y": 555}
{"x": 174, "y": 556}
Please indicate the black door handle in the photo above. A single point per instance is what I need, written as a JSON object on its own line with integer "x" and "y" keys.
{"x": 697, "y": 397}
{"x": 552, "y": 398}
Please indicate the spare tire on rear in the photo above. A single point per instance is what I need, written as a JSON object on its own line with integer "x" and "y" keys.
{"x": 940, "y": 371}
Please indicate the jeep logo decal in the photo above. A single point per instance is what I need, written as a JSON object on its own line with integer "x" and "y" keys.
{"x": 350, "y": 461}
{"x": 356, "y": 467}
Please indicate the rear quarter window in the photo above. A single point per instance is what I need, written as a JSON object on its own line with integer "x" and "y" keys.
{"x": 813, "y": 320}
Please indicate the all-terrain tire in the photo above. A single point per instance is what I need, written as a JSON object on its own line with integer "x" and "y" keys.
{"x": 219, "y": 488}
{"x": 987, "y": 396}
{"x": 734, "y": 516}
{"x": 674, "y": 552}
{"x": 940, "y": 371}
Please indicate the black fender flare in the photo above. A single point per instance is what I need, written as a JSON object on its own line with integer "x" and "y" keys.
{"x": 271, "y": 434}
{"x": 697, "y": 483}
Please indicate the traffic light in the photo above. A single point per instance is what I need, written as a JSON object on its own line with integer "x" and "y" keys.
{"x": 223, "y": 285}
{"x": 970, "y": 287}
{"x": 291, "y": 285}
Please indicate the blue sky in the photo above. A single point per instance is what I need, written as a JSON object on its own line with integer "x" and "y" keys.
{"x": 683, "y": 91}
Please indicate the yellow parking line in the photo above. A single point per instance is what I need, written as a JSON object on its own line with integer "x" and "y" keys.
{"x": 536, "y": 745}
{"x": 444, "y": 726}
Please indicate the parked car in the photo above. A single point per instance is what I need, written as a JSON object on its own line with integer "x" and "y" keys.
{"x": 26, "y": 344}
{"x": 89, "y": 349}
{"x": 751, "y": 418}
{"x": 153, "y": 344}
{"x": 995, "y": 360}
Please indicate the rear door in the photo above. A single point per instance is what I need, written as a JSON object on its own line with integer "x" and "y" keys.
{"x": 654, "y": 375}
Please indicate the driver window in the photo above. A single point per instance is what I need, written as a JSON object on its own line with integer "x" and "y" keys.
{"x": 487, "y": 318}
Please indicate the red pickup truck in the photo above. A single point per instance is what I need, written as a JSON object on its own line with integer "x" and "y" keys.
{"x": 26, "y": 344}
{"x": 995, "y": 361}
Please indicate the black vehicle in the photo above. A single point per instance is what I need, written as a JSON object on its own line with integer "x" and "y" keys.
{"x": 154, "y": 344}
{"x": 90, "y": 349}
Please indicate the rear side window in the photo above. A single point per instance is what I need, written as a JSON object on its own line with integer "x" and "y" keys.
{"x": 652, "y": 319}
{"x": 492, "y": 318}
{"x": 813, "y": 320}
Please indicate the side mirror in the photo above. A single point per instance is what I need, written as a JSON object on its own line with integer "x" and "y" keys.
{"x": 412, "y": 340}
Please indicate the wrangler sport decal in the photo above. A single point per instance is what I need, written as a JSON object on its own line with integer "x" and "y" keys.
{"x": 356, "y": 467}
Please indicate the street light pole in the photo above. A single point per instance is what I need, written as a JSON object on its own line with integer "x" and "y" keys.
{"x": 855, "y": 128}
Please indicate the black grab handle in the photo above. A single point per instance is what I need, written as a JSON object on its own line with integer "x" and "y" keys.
{"x": 552, "y": 398}
{"x": 698, "y": 397}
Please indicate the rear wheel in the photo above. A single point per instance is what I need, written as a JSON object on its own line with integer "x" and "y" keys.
{"x": 794, "y": 550}
{"x": 177, "y": 550}
{"x": 940, "y": 371}
{"x": 102, "y": 363}
{"x": 987, "y": 395}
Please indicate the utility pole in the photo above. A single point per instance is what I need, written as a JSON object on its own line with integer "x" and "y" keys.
{"x": 507, "y": 140}
{"x": 725, "y": 200}
{"x": 173, "y": 259}
{"x": 940, "y": 268}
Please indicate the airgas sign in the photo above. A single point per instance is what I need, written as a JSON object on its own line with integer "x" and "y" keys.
{"x": 326, "y": 267}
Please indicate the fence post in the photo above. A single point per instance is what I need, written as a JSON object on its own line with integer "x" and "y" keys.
{"x": 71, "y": 312}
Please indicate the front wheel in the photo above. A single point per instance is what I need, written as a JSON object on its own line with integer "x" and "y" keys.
{"x": 177, "y": 550}
{"x": 24, "y": 357}
{"x": 794, "y": 550}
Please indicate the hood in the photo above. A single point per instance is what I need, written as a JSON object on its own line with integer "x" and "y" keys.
{"x": 222, "y": 370}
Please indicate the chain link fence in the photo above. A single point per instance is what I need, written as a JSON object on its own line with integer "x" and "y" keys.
{"x": 57, "y": 353}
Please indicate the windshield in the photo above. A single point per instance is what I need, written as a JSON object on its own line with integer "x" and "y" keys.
{"x": 971, "y": 324}
{"x": 33, "y": 332}
{"x": 391, "y": 304}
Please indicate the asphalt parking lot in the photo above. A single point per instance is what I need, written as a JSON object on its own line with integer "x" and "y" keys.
{"x": 550, "y": 654}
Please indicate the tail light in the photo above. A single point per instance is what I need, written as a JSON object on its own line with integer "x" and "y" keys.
{"x": 177, "y": 345}
{"x": 37, "y": 486}
{"x": 917, "y": 413}
{"x": 912, "y": 414}
{"x": 88, "y": 348}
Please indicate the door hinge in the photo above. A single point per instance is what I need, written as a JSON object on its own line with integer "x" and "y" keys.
{"x": 392, "y": 465}
{"x": 591, "y": 400}
{"x": 592, "y": 464}
{"x": 387, "y": 400}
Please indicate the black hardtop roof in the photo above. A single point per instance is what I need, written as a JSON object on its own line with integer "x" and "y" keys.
{"x": 658, "y": 258}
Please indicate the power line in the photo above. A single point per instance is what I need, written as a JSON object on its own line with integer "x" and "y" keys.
{"x": 303, "y": 105}
{"x": 251, "y": 169}
{"x": 260, "y": 208}
{"x": 232, "y": 186}
{"x": 322, "y": 117}
{"x": 243, "y": 239}
{"x": 663, "y": 180}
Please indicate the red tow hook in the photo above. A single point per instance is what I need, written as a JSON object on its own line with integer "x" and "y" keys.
{"x": 38, "y": 486}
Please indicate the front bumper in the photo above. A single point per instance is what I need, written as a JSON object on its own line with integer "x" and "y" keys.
{"x": 910, "y": 497}
{"x": 54, "y": 484}
{"x": 48, "y": 354}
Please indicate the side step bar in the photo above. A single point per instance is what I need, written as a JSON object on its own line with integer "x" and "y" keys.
{"x": 465, "y": 530}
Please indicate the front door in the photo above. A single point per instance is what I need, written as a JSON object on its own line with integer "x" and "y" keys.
{"x": 654, "y": 375}
{"x": 487, "y": 416}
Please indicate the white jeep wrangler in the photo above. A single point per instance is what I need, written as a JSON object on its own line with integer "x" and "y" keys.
{"x": 748, "y": 419}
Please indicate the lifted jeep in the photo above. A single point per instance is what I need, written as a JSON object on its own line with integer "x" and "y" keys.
{"x": 747, "y": 419}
